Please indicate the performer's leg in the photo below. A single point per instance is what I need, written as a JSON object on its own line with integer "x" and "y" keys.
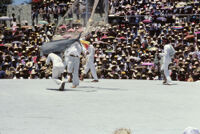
{"x": 87, "y": 67}
{"x": 164, "y": 78}
{"x": 70, "y": 68}
{"x": 163, "y": 74}
{"x": 70, "y": 77}
{"x": 85, "y": 71}
{"x": 75, "y": 79}
{"x": 61, "y": 69}
{"x": 166, "y": 73}
{"x": 93, "y": 71}
{"x": 55, "y": 75}
{"x": 66, "y": 61}
{"x": 70, "y": 65}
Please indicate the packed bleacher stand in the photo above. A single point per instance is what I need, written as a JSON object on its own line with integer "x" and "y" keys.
{"x": 50, "y": 10}
{"x": 127, "y": 49}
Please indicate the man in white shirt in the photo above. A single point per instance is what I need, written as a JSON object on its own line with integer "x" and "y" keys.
{"x": 58, "y": 69}
{"x": 167, "y": 56}
{"x": 72, "y": 56}
{"x": 191, "y": 130}
{"x": 90, "y": 51}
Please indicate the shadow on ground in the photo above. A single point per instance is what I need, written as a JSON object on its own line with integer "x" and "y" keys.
{"x": 54, "y": 89}
{"x": 101, "y": 88}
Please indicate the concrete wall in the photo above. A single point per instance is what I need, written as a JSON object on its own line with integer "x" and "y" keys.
{"x": 22, "y": 12}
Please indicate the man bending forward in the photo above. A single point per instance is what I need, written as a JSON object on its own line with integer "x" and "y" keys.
{"x": 58, "y": 69}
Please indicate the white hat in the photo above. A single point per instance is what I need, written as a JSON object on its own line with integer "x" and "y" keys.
{"x": 191, "y": 130}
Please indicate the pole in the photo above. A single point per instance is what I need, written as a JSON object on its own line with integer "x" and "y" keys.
{"x": 106, "y": 10}
{"x": 86, "y": 19}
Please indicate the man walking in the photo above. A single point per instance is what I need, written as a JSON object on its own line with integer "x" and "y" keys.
{"x": 58, "y": 69}
{"x": 167, "y": 56}
{"x": 90, "y": 52}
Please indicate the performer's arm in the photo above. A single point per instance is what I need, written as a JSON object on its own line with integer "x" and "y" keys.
{"x": 48, "y": 60}
{"x": 66, "y": 53}
{"x": 166, "y": 51}
{"x": 161, "y": 54}
{"x": 83, "y": 51}
{"x": 172, "y": 52}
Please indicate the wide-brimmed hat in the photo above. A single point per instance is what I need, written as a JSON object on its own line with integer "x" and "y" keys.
{"x": 33, "y": 72}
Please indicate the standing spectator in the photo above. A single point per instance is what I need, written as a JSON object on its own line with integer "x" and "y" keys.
{"x": 35, "y": 14}
{"x": 3, "y": 72}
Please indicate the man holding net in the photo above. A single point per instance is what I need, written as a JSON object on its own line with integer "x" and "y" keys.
{"x": 72, "y": 56}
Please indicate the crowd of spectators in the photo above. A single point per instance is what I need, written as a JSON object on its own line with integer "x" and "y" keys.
{"x": 51, "y": 10}
{"x": 128, "y": 50}
{"x": 133, "y": 11}
{"x": 123, "y": 51}
{"x": 19, "y": 51}
{"x": 153, "y": 8}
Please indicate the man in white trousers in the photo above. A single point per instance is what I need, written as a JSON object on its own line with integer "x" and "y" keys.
{"x": 90, "y": 52}
{"x": 168, "y": 54}
{"x": 66, "y": 61}
{"x": 58, "y": 69}
{"x": 73, "y": 58}
{"x": 191, "y": 130}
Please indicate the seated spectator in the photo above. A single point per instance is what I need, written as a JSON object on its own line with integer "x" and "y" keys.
{"x": 191, "y": 130}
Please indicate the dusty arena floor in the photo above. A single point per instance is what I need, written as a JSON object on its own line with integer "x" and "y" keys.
{"x": 146, "y": 107}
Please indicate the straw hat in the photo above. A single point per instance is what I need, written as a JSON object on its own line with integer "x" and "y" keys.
{"x": 33, "y": 72}
{"x": 6, "y": 64}
{"x": 123, "y": 72}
